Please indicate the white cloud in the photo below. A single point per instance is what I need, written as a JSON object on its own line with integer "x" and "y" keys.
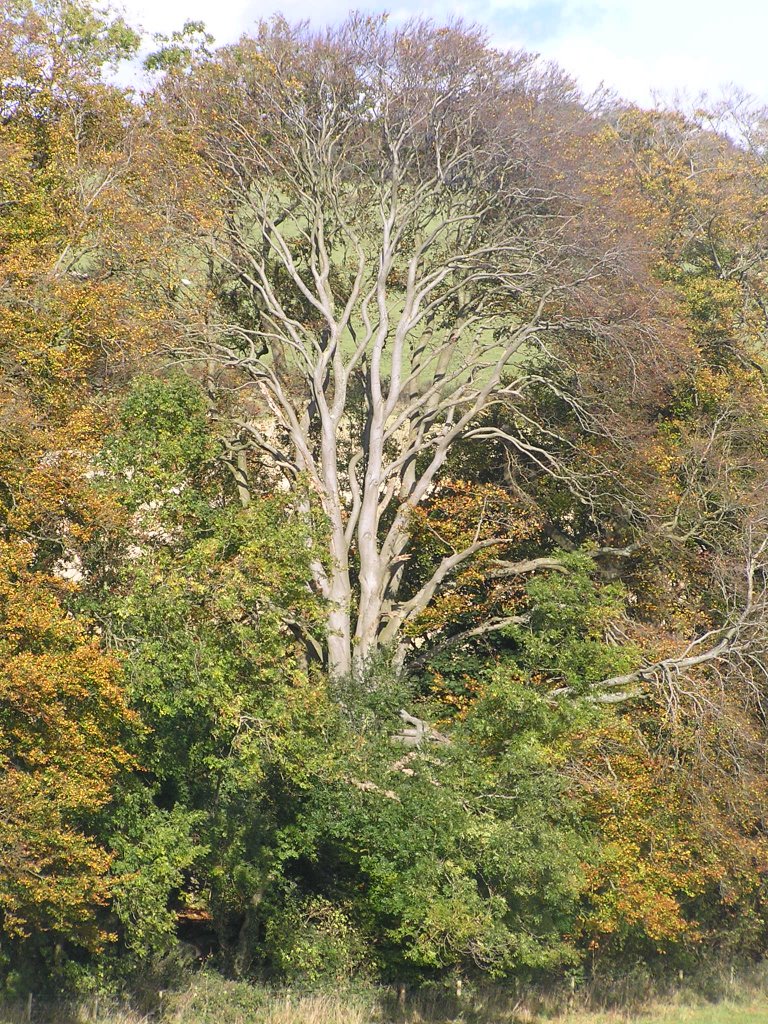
{"x": 670, "y": 45}
{"x": 634, "y": 47}
{"x": 226, "y": 19}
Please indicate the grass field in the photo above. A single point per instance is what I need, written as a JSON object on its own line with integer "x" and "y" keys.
{"x": 750, "y": 1012}
{"x": 209, "y": 1000}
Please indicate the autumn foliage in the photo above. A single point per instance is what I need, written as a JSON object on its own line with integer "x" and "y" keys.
{"x": 383, "y": 530}
{"x": 62, "y": 728}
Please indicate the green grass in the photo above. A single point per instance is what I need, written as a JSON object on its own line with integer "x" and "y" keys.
{"x": 725, "y": 1013}
{"x": 729, "y": 1012}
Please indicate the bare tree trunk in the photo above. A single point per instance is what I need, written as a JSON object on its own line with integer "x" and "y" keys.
{"x": 339, "y": 625}
{"x": 380, "y": 219}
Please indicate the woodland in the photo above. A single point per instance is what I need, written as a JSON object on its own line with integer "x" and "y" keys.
{"x": 383, "y": 519}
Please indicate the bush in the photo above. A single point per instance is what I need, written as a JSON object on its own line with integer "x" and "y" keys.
{"x": 313, "y": 941}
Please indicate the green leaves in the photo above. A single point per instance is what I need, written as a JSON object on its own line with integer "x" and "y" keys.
{"x": 181, "y": 50}
{"x": 570, "y": 615}
{"x": 213, "y": 609}
{"x": 154, "y": 851}
{"x": 163, "y": 457}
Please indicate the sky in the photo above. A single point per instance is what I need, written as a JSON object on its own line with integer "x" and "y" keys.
{"x": 642, "y": 49}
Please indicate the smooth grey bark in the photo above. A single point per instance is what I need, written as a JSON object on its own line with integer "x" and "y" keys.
{"x": 395, "y": 249}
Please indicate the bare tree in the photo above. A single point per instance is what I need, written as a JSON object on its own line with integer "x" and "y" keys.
{"x": 384, "y": 255}
{"x": 734, "y": 651}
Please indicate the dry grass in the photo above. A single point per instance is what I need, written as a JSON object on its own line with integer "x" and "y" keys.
{"x": 212, "y": 1000}
{"x": 94, "y": 1011}
{"x": 318, "y": 1009}
{"x": 209, "y": 998}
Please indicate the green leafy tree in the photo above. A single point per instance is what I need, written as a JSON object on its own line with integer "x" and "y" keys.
{"x": 212, "y": 609}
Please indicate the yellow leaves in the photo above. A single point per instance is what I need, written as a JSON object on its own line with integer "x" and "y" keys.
{"x": 659, "y": 849}
{"x": 52, "y": 877}
{"x": 735, "y": 386}
{"x": 64, "y": 323}
{"x": 713, "y": 303}
{"x": 461, "y": 512}
{"x": 460, "y": 515}
{"x": 449, "y": 607}
{"x": 459, "y": 701}
{"x": 62, "y": 720}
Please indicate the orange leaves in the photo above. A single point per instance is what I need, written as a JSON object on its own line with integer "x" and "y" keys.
{"x": 62, "y": 723}
{"x": 68, "y": 322}
{"x": 667, "y": 838}
{"x": 650, "y": 860}
{"x": 462, "y": 511}
{"x": 458, "y": 515}
{"x": 65, "y": 323}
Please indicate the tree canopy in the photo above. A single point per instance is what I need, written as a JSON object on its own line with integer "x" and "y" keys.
{"x": 383, "y": 532}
